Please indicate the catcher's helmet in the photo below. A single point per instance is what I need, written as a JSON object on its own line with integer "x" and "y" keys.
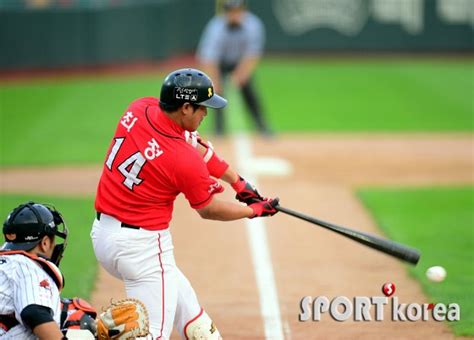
{"x": 28, "y": 223}
{"x": 189, "y": 85}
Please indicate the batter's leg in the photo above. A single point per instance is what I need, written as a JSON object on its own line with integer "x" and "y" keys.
{"x": 151, "y": 278}
{"x": 188, "y": 306}
{"x": 105, "y": 248}
{"x": 190, "y": 318}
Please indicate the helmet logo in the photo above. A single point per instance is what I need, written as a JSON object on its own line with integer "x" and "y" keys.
{"x": 10, "y": 237}
{"x": 209, "y": 92}
{"x": 182, "y": 93}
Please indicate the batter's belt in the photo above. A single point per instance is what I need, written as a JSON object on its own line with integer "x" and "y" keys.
{"x": 123, "y": 225}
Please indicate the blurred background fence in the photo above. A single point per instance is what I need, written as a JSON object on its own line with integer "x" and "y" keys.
{"x": 59, "y": 33}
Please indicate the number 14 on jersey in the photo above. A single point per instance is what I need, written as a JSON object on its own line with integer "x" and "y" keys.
{"x": 130, "y": 168}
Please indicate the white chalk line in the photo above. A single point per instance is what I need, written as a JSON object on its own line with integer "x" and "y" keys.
{"x": 260, "y": 251}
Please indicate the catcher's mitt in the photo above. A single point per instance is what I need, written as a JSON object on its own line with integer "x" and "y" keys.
{"x": 124, "y": 319}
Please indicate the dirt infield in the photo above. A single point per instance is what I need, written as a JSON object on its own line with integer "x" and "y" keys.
{"x": 306, "y": 260}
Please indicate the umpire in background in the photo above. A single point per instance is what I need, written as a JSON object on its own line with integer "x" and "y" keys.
{"x": 232, "y": 44}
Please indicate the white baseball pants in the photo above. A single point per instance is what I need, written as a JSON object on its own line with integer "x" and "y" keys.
{"x": 144, "y": 261}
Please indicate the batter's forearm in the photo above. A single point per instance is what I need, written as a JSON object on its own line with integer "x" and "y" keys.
{"x": 230, "y": 176}
{"x": 214, "y": 163}
{"x": 219, "y": 168}
{"x": 225, "y": 211}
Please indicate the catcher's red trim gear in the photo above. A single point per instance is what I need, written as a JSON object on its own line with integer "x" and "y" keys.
{"x": 48, "y": 266}
{"x": 77, "y": 313}
{"x": 265, "y": 207}
{"x": 246, "y": 192}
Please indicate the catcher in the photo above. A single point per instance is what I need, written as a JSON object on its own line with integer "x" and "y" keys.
{"x": 30, "y": 280}
{"x": 30, "y": 284}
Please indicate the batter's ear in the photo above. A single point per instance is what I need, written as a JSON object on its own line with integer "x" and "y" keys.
{"x": 187, "y": 108}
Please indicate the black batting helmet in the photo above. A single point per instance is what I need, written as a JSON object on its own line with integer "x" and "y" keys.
{"x": 28, "y": 223}
{"x": 191, "y": 86}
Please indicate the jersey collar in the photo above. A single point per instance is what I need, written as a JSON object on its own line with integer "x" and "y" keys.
{"x": 166, "y": 125}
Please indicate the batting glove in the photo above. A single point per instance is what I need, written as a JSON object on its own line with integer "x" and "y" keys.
{"x": 267, "y": 207}
{"x": 246, "y": 192}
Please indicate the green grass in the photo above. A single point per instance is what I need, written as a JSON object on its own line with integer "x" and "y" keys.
{"x": 65, "y": 121}
{"x": 79, "y": 265}
{"x": 390, "y": 96}
{"x": 60, "y": 121}
{"x": 439, "y": 222}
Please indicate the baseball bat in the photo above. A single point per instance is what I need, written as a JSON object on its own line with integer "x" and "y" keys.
{"x": 392, "y": 248}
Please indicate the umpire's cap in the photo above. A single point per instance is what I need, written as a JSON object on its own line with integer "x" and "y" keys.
{"x": 191, "y": 86}
{"x": 231, "y": 4}
{"x": 28, "y": 223}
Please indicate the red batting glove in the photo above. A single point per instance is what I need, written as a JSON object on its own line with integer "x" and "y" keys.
{"x": 267, "y": 207}
{"x": 246, "y": 192}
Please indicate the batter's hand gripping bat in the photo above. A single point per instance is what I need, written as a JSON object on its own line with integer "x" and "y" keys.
{"x": 392, "y": 248}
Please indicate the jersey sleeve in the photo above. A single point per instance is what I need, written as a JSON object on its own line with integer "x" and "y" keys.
{"x": 193, "y": 180}
{"x": 33, "y": 286}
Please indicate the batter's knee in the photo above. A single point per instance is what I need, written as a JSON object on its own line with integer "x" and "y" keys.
{"x": 201, "y": 328}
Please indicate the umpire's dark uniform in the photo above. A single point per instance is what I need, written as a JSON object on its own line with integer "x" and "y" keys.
{"x": 226, "y": 45}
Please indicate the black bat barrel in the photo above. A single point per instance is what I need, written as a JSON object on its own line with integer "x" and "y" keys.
{"x": 398, "y": 250}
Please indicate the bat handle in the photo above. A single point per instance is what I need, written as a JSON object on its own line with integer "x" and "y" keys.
{"x": 294, "y": 213}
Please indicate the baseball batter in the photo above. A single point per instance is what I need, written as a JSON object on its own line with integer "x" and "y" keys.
{"x": 155, "y": 155}
{"x": 30, "y": 280}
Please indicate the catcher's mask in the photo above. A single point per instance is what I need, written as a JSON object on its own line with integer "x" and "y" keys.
{"x": 28, "y": 223}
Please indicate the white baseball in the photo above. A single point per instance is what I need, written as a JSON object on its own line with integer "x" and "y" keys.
{"x": 436, "y": 273}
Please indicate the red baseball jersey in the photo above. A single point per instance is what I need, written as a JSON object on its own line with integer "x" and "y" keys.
{"x": 147, "y": 165}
